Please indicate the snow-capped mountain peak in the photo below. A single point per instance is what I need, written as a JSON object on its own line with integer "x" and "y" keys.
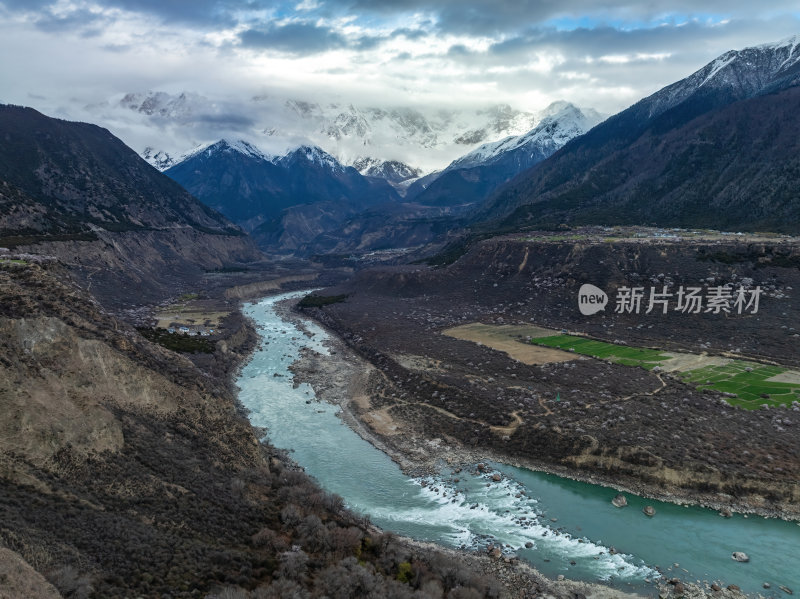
{"x": 158, "y": 158}
{"x": 163, "y": 160}
{"x": 311, "y": 154}
{"x": 238, "y": 145}
{"x": 393, "y": 171}
{"x": 742, "y": 73}
{"x": 788, "y": 42}
{"x": 561, "y": 122}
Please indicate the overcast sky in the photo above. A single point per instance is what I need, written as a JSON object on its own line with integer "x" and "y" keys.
{"x": 59, "y": 55}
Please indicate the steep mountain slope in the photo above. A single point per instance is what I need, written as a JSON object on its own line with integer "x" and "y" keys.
{"x": 127, "y": 471}
{"x": 472, "y": 177}
{"x": 236, "y": 179}
{"x": 75, "y": 191}
{"x": 284, "y": 201}
{"x": 316, "y": 175}
{"x": 712, "y": 150}
{"x": 81, "y": 175}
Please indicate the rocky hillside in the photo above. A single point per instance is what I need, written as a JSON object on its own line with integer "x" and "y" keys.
{"x": 126, "y": 471}
{"x": 711, "y": 150}
{"x": 74, "y": 191}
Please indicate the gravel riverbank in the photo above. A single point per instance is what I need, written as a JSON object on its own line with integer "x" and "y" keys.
{"x": 345, "y": 379}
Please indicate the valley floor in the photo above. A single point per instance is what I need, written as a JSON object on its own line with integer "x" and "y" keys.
{"x": 346, "y": 379}
{"x": 601, "y": 420}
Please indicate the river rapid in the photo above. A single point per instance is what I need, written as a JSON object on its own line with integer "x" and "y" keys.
{"x": 558, "y": 525}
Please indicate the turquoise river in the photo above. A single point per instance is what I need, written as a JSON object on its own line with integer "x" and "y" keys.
{"x": 570, "y": 526}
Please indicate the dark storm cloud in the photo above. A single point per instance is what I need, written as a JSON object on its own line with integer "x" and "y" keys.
{"x": 478, "y": 17}
{"x": 294, "y": 38}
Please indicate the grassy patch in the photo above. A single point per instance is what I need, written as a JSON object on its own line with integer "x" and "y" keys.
{"x": 317, "y": 301}
{"x": 620, "y": 354}
{"x": 748, "y": 380}
{"x": 179, "y": 342}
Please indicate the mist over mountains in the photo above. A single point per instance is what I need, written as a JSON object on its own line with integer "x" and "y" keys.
{"x": 163, "y": 127}
{"x": 287, "y": 201}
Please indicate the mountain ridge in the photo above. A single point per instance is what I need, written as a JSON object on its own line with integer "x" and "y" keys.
{"x": 279, "y": 198}
{"x": 424, "y": 137}
{"x": 74, "y": 191}
{"x": 611, "y": 174}
{"x": 472, "y": 177}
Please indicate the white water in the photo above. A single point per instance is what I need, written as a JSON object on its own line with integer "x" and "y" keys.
{"x": 475, "y": 512}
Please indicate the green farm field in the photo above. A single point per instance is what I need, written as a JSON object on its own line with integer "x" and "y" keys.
{"x": 750, "y": 384}
{"x": 619, "y": 354}
{"x": 748, "y": 380}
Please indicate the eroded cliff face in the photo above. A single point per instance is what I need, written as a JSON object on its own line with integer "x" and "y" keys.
{"x": 127, "y": 268}
{"x": 59, "y": 388}
{"x": 19, "y": 579}
{"x": 97, "y": 420}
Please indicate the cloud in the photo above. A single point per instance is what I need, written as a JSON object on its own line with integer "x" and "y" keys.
{"x": 80, "y": 19}
{"x": 420, "y": 53}
{"x": 196, "y": 12}
{"x": 235, "y": 121}
{"x": 473, "y": 17}
{"x": 295, "y": 38}
{"x": 488, "y": 17}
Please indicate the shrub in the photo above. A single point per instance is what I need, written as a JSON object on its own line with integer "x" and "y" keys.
{"x": 70, "y": 583}
{"x": 404, "y": 572}
{"x": 317, "y": 301}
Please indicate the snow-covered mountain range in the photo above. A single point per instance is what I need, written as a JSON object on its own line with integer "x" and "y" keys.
{"x": 736, "y": 74}
{"x": 165, "y": 125}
